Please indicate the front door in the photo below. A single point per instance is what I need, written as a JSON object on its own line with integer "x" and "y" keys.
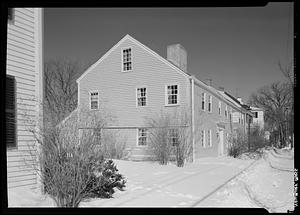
{"x": 221, "y": 141}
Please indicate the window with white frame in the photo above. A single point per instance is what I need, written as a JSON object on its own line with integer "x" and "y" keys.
{"x": 142, "y": 136}
{"x": 203, "y": 138}
{"x": 173, "y": 136}
{"x": 127, "y": 59}
{"x": 141, "y": 96}
{"x": 226, "y": 111}
{"x": 209, "y": 103}
{"x": 203, "y": 101}
{"x": 172, "y": 94}
{"x": 219, "y": 107}
{"x": 209, "y": 140}
{"x": 94, "y": 99}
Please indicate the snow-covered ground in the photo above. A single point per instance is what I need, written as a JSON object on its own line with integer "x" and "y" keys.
{"x": 152, "y": 185}
{"x": 269, "y": 184}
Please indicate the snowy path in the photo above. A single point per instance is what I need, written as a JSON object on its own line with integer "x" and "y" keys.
{"x": 269, "y": 184}
{"x": 153, "y": 185}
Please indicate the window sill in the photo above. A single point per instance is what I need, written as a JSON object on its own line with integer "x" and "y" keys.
{"x": 142, "y": 146}
{"x": 126, "y": 71}
{"x": 171, "y": 105}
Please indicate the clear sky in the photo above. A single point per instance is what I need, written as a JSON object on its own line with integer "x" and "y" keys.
{"x": 238, "y": 48}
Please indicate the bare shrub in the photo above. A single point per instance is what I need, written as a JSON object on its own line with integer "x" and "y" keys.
{"x": 158, "y": 135}
{"x": 113, "y": 145}
{"x": 72, "y": 166}
{"x": 170, "y": 137}
{"x": 257, "y": 138}
{"x": 237, "y": 144}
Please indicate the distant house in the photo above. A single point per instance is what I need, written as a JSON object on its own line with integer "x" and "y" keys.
{"x": 133, "y": 82}
{"x": 24, "y": 72}
{"x": 258, "y": 118}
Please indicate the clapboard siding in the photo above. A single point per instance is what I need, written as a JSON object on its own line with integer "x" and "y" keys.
{"x": 117, "y": 89}
{"x": 28, "y": 183}
{"x": 24, "y": 62}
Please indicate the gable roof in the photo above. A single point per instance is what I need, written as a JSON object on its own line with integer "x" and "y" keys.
{"x": 168, "y": 63}
{"x": 140, "y": 45}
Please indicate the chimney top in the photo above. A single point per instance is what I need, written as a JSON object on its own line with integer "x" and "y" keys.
{"x": 177, "y": 55}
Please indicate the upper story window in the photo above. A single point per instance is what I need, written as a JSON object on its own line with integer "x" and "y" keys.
{"x": 142, "y": 136}
{"x": 172, "y": 95}
{"x": 10, "y": 112}
{"x": 203, "y": 101}
{"x": 255, "y": 114}
{"x": 203, "y": 138}
{"x": 10, "y": 14}
{"x": 219, "y": 107}
{"x": 173, "y": 136}
{"x": 209, "y": 103}
{"x": 141, "y": 96}
{"x": 209, "y": 138}
{"x": 94, "y": 100}
{"x": 127, "y": 59}
{"x": 226, "y": 111}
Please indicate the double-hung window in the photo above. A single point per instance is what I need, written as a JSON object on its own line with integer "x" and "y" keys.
{"x": 141, "y": 96}
{"x": 10, "y": 112}
{"x": 209, "y": 103}
{"x": 209, "y": 138}
{"x": 203, "y": 101}
{"x": 226, "y": 111}
{"x": 142, "y": 136}
{"x": 203, "y": 138}
{"x": 173, "y": 136}
{"x": 172, "y": 94}
{"x": 219, "y": 107}
{"x": 127, "y": 60}
{"x": 94, "y": 100}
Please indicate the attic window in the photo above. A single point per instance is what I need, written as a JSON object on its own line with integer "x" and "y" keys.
{"x": 127, "y": 60}
{"x": 94, "y": 99}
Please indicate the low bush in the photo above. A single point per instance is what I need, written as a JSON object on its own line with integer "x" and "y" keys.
{"x": 237, "y": 145}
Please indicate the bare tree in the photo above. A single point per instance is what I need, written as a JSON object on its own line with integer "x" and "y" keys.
{"x": 276, "y": 100}
{"x": 60, "y": 89}
{"x": 288, "y": 73}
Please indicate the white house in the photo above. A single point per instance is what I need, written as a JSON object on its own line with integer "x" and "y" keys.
{"x": 23, "y": 94}
{"x": 133, "y": 82}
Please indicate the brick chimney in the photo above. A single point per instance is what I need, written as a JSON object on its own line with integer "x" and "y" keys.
{"x": 177, "y": 55}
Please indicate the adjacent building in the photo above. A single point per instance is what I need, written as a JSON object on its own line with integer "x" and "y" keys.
{"x": 23, "y": 94}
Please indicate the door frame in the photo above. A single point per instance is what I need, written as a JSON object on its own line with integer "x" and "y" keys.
{"x": 221, "y": 144}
